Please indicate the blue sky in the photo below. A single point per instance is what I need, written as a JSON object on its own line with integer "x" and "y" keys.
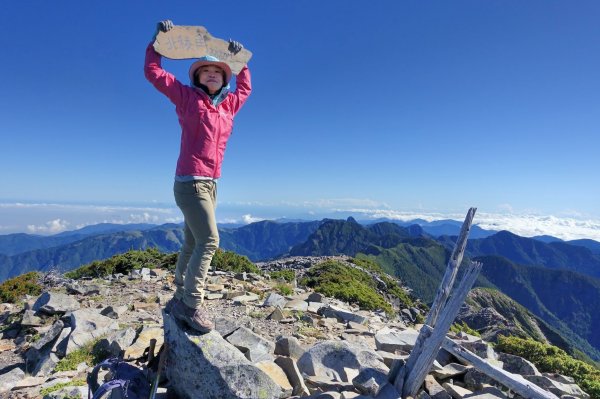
{"x": 388, "y": 107}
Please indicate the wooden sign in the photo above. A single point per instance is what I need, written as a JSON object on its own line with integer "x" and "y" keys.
{"x": 183, "y": 42}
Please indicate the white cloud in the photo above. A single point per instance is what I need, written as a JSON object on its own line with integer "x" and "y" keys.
{"x": 51, "y": 227}
{"x": 250, "y": 219}
{"x": 526, "y": 225}
{"x": 144, "y": 217}
{"x": 31, "y": 217}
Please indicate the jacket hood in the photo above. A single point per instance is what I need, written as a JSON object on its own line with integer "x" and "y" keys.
{"x": 216, "y": 98}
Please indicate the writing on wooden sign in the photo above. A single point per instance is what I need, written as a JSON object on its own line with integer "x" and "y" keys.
{"x": 183, "y": 42}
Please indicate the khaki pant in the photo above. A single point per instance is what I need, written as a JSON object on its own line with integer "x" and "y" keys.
{"x": 198, "y": 201}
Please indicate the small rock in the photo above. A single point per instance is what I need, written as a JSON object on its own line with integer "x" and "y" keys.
{"x": 297, "y": 304}
{"x": 451, "y": 370}
{"x": 315, "y": 297}
{"x": 248, "y": 297}
{"x": 274, "y": 299}
{"x": 370, "y": 381}
{"x": 276, "y": 315}
{"x": 455, "y": 391}
{"x": 30, "y": 319}
{"x": 109, "y": 312}
{"x": 289, "y": 346}
{"x": 391, "y": 341}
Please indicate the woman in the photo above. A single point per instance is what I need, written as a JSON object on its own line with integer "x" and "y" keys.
{"x": 205, "y": 110}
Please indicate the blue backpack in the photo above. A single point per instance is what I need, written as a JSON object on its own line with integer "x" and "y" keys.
{"x": 127, "y": 381}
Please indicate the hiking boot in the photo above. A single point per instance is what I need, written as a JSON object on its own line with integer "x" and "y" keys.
{"x": 196, "y": 318}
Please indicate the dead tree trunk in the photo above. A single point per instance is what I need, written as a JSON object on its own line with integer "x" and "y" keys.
{"x": 453, "y": 265}
{"x": 514, "y": 382}
{"x": 442, "y": 314}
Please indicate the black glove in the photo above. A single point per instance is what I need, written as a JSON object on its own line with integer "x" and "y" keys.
{"x": 235, "y": 47}
{"x": 163, "y": 26}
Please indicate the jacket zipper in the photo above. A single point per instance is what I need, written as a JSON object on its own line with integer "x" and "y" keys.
{"x": 216, "y": 154}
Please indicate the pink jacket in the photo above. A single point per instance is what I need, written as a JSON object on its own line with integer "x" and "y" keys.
{"x": 205, "y": 128}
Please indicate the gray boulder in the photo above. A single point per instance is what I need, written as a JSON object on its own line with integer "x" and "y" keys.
{"x": 45, "y": 365}
{"x": 481, "y": 349}
{"x": 254, "y": 347}
{"x": 80, "y": 289}
{"x": 60, "y": 345}
{"x": 342, "y": 315}
{"x": 370, "y": 381}
{"x": 517, "y": 365}
{"x": 49, "y": 336}
{"x": 274, "y": 299}
{"x": 39, "y": 357}
{"x": 297, "y": 304}
{"x": 109, "y": 311}
{"x": 226, "y": 326}
{"x": 315, "y": 297}
{"x": 434, "y": 389}
{"x": 207, "y": 366}
{"x": 332, "y": 359}
{"x": 118, "y": 341}
{"x": 276, "y": 315}
{"x": 556, "y": 387}
{"x": 290, "y": 368}
{"x": 30, "y": 319}
{"x": 88, "y": 325}
{"x": 450, "y": 370}
{"x": 476, "y": 380}
{"x": 289, "y": 346}
{"x": 392, "y": 341}
{"x": 10, "y": 379}
{"x": 55, "y": 303}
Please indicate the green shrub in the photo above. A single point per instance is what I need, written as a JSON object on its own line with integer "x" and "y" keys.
{"x": 284, "y": 289}
{"x": 16, "y": 288}
{"x": 456, "y": 328}
{"x": 550, "y": 359}
{"x": 346, "y": 283}
{"x": 230, "y": 261}
{"x": 367, "y": 264}
{"x": 392, "y": 286}
{"x": 287, "y": 274}
{"x": 75, "y": 383}
{"x": 89, "y": 353}
{"x": 152, "y": 258}
{"x": 124, "y": 263}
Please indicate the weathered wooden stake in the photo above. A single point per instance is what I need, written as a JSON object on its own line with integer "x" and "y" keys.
{"x": 417, "y": 369}
{"x": 515, "y": 382}
{"x": 411, "y": 376}
{"x": 451, "y": 270}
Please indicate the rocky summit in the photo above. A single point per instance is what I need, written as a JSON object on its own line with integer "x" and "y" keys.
{"x": 267, "y": 343}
